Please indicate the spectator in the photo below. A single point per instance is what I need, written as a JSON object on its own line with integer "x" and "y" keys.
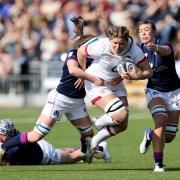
{"x": 27, "y": 22}
{"x": 6, "y": 63}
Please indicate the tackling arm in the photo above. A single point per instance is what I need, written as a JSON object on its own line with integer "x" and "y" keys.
{"x": 162, "y": 50}
{"x": 144, "y": 70}
{"x": 76, "y": 71}
{"x": 81, "y": 55}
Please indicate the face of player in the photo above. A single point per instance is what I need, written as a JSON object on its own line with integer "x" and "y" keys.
{"x": 146, "y": 33}
{"x": 118, "y": 45}
{"x": 3, "y": 138}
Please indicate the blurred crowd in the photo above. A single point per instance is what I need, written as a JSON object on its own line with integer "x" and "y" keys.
{"x": 41, "y": 30}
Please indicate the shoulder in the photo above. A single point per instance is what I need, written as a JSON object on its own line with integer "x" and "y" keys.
{"x": 92, "y": 41}
{"x": 97, "y": 47}
{"x": 136, "y": 47}
{"x": 132, "y": 46}
{"x": 72, "y": 54}
{"x": 139, "y": 44}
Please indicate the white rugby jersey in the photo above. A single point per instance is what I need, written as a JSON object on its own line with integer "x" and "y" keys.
{"x": 105, "y": 63}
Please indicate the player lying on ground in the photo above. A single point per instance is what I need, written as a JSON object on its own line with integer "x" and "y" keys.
{"x": 40, "y": 152}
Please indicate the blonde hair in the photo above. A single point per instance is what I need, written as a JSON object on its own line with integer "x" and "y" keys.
{"x": 117, "y": 32}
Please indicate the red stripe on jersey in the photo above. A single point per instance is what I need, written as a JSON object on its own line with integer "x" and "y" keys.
{"x": 142, "y": 60}
{"x": 96, "y": 99}
{"x": 86, "y": 50}
{"x": 49, "y": 102}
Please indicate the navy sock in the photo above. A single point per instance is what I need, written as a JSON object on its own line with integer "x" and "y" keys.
{"x": 158, "y": 158}
{"x": 83, "y": 143}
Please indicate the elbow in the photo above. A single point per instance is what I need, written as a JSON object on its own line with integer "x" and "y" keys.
{"x": 72, "y": 72}
{"x": 147, "y": 74}
{"x": 150, "y": 73}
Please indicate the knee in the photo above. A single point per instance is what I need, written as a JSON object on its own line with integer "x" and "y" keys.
{"x": 160, "y": 116}
{"x": 122, "y": 117}
{"x": 123, "y": 126}
{"x": 89, "y": 133}
{"x": 86, "y": 130}
{"x": 116, "y": 108}
{"x": 171, "y": 130}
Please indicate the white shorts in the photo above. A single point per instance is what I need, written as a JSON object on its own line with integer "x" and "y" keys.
{"x": 58, "y": 104}
{"x": 96, "y": 92}
{"x": 50, "y": 154}
{"x": 172, "y": 98}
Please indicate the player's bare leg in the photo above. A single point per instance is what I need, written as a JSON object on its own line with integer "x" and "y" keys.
{"x": 114, "y": 120}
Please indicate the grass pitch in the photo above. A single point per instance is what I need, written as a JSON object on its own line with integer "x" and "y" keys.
{"x": 127, "y": 162}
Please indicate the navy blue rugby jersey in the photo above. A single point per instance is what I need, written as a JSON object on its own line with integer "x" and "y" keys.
{"x": 24, "y": 154}
{"x": 66, "y": 85}
{"x": 164, "y": 77}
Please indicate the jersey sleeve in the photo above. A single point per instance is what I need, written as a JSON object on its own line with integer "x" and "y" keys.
{"x": 94, "y": 48}
{"x": 164, "y": 43}
{"x": 72, "y": 55}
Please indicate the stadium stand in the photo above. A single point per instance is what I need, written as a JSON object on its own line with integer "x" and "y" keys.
{"x": 136, "y": 95}
{"x": 34, "y": 35}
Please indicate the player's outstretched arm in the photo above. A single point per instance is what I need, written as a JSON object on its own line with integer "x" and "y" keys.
{"x": 144, "y": 70}
{"x": 71, "y": 155}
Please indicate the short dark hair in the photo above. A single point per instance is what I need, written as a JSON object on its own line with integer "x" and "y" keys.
{"x": 147, "y": 21}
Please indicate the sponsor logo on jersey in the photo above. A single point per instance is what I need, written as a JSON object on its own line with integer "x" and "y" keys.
{"x": 107, "y": 57}
{"x": 160, "y": 69}
{"x": 155, "y": 93}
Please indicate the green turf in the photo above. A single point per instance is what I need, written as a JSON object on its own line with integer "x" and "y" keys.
{"x": 127, "y": 163}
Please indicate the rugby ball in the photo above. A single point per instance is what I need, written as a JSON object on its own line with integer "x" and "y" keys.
{"x": 127, "y": 66}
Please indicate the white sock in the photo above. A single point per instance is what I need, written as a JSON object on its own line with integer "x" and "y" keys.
{"x": 102, "y": 135}
{"x": 104, "y": 121}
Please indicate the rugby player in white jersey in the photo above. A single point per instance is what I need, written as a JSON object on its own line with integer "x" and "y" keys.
{"x": 67, "y": 99}
{"x": 108, "y": 53}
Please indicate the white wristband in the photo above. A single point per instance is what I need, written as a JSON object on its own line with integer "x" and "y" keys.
{"x": 157, "y": 47}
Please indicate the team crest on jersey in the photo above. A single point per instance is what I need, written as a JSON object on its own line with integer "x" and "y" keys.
{"x": 56, "y": 113}
{"x": 146, "y": 54}
{"x": 70, "y": 54}
{"x": 155, "y": 93}
{"x": 151, "y": 64}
